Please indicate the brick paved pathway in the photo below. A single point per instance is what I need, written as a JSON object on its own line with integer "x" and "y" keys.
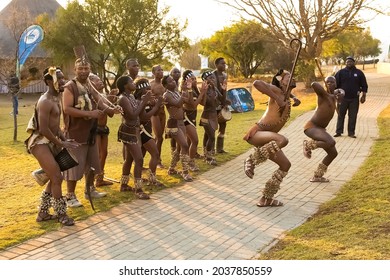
{"x": 215, "y": 217}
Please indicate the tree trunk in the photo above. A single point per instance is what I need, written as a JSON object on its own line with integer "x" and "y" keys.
{"x": 14, "y": 106}
{"x": 305, "y": 72}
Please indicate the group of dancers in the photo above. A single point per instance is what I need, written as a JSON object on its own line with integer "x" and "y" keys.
{"x": 143, "y": 105}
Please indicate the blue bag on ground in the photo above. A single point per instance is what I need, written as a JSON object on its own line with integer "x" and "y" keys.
{"x": 241, "y": 100}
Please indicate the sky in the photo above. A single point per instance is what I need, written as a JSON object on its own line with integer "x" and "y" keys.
{"x": 205, "y": 17}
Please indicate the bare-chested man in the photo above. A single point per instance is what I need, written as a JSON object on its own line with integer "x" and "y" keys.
{"x": 175, "y": 74}
{"x": 221, "y": 85}
{"x": 265, "y": 137}
{"x": 46, "y": 142}
{"x": 316, "y": 127}
{"x": 189, "y": 90}
{"x": 176, "y": 128}
{"x": 132, "y": 67}
{"x": 209, "y": 117}
{"x": 102, "y": 133}
{"x": 159, "y": 118}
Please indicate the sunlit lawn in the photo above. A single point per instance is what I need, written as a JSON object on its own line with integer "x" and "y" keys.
{"x": 19, "y": 194}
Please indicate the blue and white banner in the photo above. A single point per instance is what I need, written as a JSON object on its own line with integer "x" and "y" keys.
{"x": 29, "y": 39}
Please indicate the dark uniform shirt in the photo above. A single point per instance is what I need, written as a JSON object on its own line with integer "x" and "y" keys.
{"x": 352, "y": 81}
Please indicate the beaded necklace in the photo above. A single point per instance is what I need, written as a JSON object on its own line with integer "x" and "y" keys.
{"x": 134, "y": 104}
{"x": 175, "y": 94}
{"x": 131, "y": 99}
{"x": 281, "y": 120}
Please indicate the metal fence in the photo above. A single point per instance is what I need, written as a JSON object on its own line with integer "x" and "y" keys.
{"x": 35, "y": 86}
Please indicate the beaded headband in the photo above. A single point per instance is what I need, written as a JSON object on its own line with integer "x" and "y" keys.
{"x": 206, "y": 74}
{"x": 143, "y": 85}
{"x": 189, "y": 75}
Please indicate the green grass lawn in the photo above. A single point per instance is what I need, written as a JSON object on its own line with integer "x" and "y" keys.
{"x": 19, "y": 193}
{"x": 355, "y": 224}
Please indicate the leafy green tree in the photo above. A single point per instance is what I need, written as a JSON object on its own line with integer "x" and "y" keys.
{"x": 354, "y": 41}
{"x": 243, "y": 45}
{"x": 113, "y": 31}
{"x": 369, "y": 46}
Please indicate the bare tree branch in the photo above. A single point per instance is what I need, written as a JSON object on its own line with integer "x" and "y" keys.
{"x": 312, "y": 21}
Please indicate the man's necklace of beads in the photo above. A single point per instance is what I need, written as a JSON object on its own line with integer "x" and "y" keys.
{"x": 175, "y": 95}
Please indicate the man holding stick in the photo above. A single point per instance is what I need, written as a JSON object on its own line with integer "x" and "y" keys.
{"x": 82, "y": 106}
{"x": 264, "y": 136}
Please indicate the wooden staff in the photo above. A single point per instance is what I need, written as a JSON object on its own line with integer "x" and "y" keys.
{"x": 105, "y": 100}
{"x": 322, "y": 74}
{"x": 112, "y": 179}
{"x": 89, "y": 180}
{"x": 108, "y": 102}
{"x": 287, "y": 93}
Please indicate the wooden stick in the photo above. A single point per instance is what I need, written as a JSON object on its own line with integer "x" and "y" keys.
{"x": 322, "y": 74}
{"x": 89, "y": 180}
{"x": 287, "y": 93}
{"x": 111, "y": 179}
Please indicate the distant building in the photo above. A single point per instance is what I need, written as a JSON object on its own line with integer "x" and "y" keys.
{"x": 9, "y": 45}
{"x": 35, "y": 8}
{"x": 204, "y": 61}
{"x": 388, "y": 53}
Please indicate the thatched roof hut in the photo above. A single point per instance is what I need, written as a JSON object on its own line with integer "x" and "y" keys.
{"x": 8, "y": 44}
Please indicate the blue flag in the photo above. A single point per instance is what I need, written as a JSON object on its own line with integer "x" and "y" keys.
{"x": 29, "y": 39}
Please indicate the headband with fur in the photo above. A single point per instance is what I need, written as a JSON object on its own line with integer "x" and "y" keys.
{"x": 52, "y": 72}
{"x": 278, "y": 77}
